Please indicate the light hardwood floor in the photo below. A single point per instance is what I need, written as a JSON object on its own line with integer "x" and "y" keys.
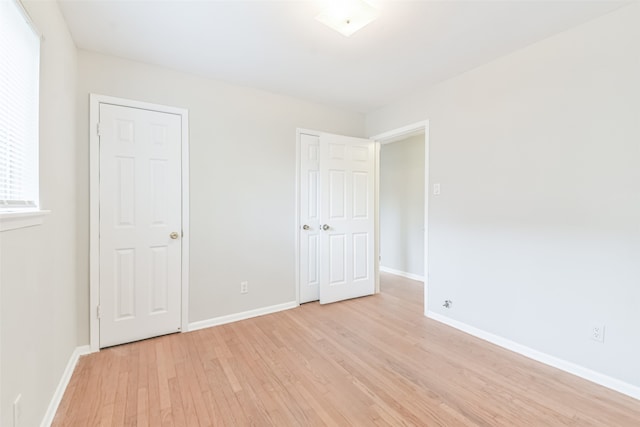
{"x": 370, "y": 361}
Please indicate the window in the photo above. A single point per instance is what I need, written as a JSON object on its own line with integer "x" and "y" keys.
{"x": 19, "y": 99}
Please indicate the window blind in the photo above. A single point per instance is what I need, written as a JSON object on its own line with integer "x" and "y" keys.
{"x": 19, "y": 99}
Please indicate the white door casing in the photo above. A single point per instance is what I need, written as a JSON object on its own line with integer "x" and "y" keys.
{"x": 140, "y": 206}
{"x": 396, "y": 135}
{"x": 337, "y": 192}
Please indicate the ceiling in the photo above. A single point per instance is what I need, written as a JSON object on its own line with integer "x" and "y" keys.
{"x": 278, "y": 46}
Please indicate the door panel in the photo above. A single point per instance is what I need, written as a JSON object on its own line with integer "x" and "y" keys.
{"x": 360, "y": 195}
{"x": 125, "y": 283}
{"x": 337, "y": 195}
{"x": 125, "y": 196}
{"x": 361, "y": 256}
{"x": 140, "y": 206}
{"x": 309, "y": 248}
{"x": 347, "y": 165}
{"x": 336, "y": 261}
{"x": 159, "y": 283}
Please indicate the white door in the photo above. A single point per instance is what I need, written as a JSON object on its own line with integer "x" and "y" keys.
{"x": 310, "y": 218}
{"x": 140, "y": 224}
{"x": 347, "y": 213}
{"x": 337, "y": 206}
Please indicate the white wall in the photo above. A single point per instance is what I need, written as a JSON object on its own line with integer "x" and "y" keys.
{"x": 37, "y": 264}
{"x": 243, "y": 145}
{"x": 535, "y": 236}
{"x": 402, "y": 205}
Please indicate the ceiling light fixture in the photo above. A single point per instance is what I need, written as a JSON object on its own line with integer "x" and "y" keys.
{"x": 347, "y": 16}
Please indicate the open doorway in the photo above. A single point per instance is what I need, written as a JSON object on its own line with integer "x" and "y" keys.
{"x": 403, "y": 183}
{"x": 402, "y": 196}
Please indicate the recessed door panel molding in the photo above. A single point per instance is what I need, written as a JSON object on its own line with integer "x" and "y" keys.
{"x": 337, "y": 259}
{"x": 360, "y": 154}
{"x": 125, "y": 284}
{"x": 337, "y": 189}
{"x": 360, "y": 195}
{"x": 140, "y": 208}
{"x": 361, "y": 257}
{"x": 125, "y": 198}
{"x": 125, "y": 130}
{"x": 345, "y": 224}
{"x": 159, "y": 280}
{"x": 159, "y": 197}
{"x": 313, "y": 150}
{"x": 313, "y": 194}
{"x": 313, "y": 272}
{"x": 337, "y": 151}
{"x": 159, "y": 134}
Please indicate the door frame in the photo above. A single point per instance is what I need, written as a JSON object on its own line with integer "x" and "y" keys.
{"x": 387, "y": 138}
{"x": 94, "y": 207}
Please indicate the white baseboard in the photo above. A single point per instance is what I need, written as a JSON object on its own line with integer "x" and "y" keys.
{"x": 572, "y": 368}
{"x": 62, "y": 385}
{"x": 194, "y": 326}
{"x": 402, "y": 274}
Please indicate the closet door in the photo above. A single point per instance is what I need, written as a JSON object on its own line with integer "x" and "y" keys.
{"x": 140, "y": 223}
{"x": 336, "y": 246}
{"x": 309, "y": 249}
{"x": 347, "y": 217}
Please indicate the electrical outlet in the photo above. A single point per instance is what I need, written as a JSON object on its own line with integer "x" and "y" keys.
{"x": 597, "y": 333}
{"x": 244, "y": 287}
{"x": 436, "y": 189}
{"x": 17, "y": 410}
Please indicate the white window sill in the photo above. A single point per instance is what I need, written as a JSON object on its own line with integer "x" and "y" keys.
{"x": 12, "y": 220}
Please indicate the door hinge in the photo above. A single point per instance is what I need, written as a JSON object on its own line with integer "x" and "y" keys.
{"x": 99, "y": 129}
{"x": 98, "y": 313}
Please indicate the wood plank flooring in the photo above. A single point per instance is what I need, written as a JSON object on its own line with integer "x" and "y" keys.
{"x": 364, "y": 362}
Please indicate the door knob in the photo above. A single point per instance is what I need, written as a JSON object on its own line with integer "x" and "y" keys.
{"x": 325, "y": 227}
{"x": 174, "y": 235}
{"x": 306, "y": 227}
